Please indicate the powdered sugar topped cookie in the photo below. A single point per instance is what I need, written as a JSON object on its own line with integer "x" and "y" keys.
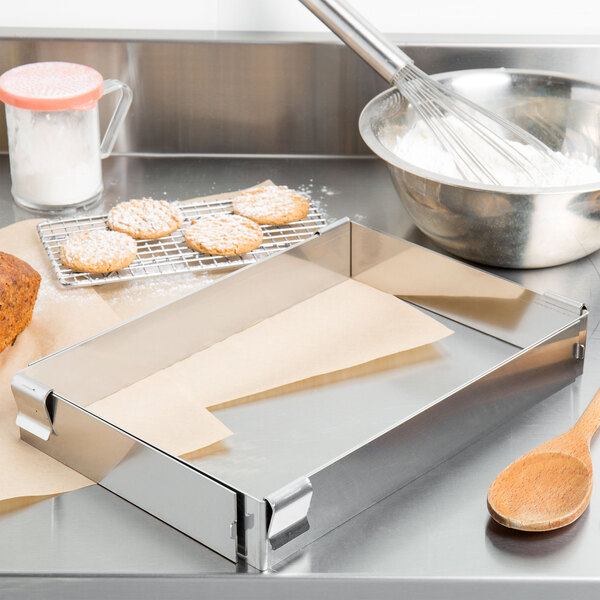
{"x": 224, "y": 235}
{"x": 98, "y": 251}
{"x": 271, "y": 205}
{"x": 145, "y": 219}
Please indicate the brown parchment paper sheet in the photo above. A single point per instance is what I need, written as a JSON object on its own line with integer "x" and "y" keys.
{"x": 60, "y": 318}
{"x": 349, "y": 325}
{"x": 417, "y": 273}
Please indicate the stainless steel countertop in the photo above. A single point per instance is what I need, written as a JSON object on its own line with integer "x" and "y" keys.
{"x": 431, "y": 539}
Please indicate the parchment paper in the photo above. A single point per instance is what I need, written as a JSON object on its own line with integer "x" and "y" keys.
{"x": 61, "y": 317}
{"x": 349, "y": 325}
{"x": 414, "y": 272}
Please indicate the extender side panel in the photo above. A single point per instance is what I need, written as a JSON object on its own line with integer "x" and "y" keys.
{"x": 365, "y": 476}
{"x": 158, "y": 483}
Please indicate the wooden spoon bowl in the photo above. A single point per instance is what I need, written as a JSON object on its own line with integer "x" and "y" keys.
{"x": 550, "y": 486}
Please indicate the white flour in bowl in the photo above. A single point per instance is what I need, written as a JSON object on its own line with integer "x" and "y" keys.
{"x": 421, "y": 148}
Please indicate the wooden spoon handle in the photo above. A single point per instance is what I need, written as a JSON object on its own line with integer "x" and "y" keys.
{"x": 590, "y": 419}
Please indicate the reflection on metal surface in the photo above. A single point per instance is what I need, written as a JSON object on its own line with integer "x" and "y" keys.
{"x": 154, "y": 481}
{"x": 241, "y": 96}
{"x": 253, "y": 523}
{"x": 497, "y": 307}
{"x": 212, "y": 97}
{"x": 502, "y": 226}
{"x": 434, "y": 433}
{"x": 150, "y": 342}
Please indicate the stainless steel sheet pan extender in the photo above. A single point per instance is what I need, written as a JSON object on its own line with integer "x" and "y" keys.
{"x": 285, "y": 480}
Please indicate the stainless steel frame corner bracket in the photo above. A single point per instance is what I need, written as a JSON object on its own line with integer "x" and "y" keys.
{"x": 34, "y": 404}
{"x": 569, "y": 304}
{"x": 577, "y": 308}
{"x": 289, "y": 516}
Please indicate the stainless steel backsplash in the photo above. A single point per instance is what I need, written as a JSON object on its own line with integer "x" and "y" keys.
{"x": 267, "y": 94}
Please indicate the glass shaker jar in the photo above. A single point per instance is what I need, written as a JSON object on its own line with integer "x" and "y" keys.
{"x": 54, "y": 133}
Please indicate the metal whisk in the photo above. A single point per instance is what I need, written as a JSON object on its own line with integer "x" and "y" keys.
{"x": 489, "y": 138}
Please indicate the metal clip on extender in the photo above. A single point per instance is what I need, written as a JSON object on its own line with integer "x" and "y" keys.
{"x": 289, "y": 512}
{"x": 34, "y": 404}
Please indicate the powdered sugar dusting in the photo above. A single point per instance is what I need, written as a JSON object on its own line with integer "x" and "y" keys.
{"x": 50, "y": 293}
{"x": 272, "y": 205}
{"x": 131, "y": 298}
{"x": 98, "y": 251}
{"x": 224, "y": 234}
{"x": 145, "y": 218}
{"x": 326, "y": 191}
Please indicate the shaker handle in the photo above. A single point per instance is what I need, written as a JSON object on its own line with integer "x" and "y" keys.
{"x": 110, "y": 137}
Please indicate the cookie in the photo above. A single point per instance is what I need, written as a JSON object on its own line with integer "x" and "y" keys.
{"x": 271, "y": 205}
{"x": 145, "y": 219}
{"x": 224, "y": 235}
{"x": 98, "y": 251}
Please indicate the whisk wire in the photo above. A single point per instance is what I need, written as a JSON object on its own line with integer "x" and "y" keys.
{"x": 434, "y": 102}
{"x": 522, "y": 135}
{"x": 431, "y": 113}
{"x": 495, "y": 141}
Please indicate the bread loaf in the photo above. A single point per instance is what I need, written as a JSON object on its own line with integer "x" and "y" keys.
{"x": 19, "y": 285}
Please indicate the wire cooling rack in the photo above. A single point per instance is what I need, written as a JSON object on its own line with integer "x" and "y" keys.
{"x": 171, "y": 254}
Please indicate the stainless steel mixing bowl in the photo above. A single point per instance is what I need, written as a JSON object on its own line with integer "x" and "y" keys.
{"x": 502, "y": 226}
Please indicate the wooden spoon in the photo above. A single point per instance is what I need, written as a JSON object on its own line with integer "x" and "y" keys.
{"x": 550, "y": 486}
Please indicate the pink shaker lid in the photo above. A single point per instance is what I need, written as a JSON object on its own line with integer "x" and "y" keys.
{"x": 49, "y": 86}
